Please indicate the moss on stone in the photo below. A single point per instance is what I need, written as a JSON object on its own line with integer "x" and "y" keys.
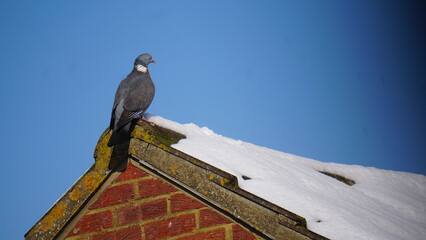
{"x": 345, "y": 180}
{"x": 154, "y": 134}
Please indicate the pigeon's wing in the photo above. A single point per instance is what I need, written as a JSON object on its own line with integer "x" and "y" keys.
{"x": 112, "y": 122}
{"x": 121, "y": 90}
{"x": 126, "y": 116}
{"x": 113, "y": 112}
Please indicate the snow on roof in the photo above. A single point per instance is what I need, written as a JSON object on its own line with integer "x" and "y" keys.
{"x": 381, "y": 205}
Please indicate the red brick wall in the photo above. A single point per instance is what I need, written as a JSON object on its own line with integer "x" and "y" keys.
{"x": 140, "y": 206}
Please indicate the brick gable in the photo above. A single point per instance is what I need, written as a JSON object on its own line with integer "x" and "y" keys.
{"x": 139, "y": 205}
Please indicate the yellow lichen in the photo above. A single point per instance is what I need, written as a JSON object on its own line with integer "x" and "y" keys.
{"x": 174, "y": 170}
{"x": 56, "y": 212}
{"x": 164, "y": 147}
{"x": 92, "y": 181}
{"x": 102, "y": 151}
{"x": 223, "y": 181}
{"x": 74, "y": 194}
{"x": 45, "y": 225}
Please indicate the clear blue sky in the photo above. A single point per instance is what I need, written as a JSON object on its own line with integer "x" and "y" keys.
{"x": 337, "y": 81}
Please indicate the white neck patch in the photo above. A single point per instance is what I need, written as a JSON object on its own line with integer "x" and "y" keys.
{"x": 141, "y": 68}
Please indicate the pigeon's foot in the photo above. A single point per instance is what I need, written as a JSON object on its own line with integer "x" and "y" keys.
{"x": 149, "y": 122}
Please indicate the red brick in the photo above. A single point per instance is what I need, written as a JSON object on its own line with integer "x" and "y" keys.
{"x": 93, "y": 222}
{"x": 142, "y": 211}
{"x": 115, "y": 195}
{"x": 104, "y": 236}
{"x": 128, "y": 214}
{"x": 130, "y": 233}
{"x": 218, "y": 234}
{"x": 153, "y": 209}
{"x": 131, "y": 172}
{"x": 210, "y": 218}
{"x": 239, "y": 233}
{"x": 154, "y": 187}
{"x": 181, "y": 202}
{"x": 170, "y": 227}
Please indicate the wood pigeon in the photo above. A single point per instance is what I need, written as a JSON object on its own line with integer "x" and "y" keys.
{"x": 133, "y": 97}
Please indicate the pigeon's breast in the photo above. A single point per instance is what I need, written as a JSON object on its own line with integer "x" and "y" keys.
{"x": 140, "y": 93}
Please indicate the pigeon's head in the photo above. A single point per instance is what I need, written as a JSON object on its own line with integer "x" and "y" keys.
{"x": 144, "y": 60}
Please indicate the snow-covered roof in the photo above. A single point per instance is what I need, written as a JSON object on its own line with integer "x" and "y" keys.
{"x": 381, "y": 205}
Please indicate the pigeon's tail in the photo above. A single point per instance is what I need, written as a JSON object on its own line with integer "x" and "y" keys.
{"x": 120, "y": 135}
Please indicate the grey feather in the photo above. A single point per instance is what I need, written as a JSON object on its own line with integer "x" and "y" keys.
{"x": 133, "y": 97}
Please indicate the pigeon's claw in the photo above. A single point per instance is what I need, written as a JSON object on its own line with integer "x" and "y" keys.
{"x": 149, "y": 122}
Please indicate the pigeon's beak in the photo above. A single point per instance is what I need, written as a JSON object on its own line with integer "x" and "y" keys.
{"x": 153, "y": 61}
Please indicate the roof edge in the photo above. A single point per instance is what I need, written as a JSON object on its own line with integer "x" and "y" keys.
{"x": 69, "y": 204}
